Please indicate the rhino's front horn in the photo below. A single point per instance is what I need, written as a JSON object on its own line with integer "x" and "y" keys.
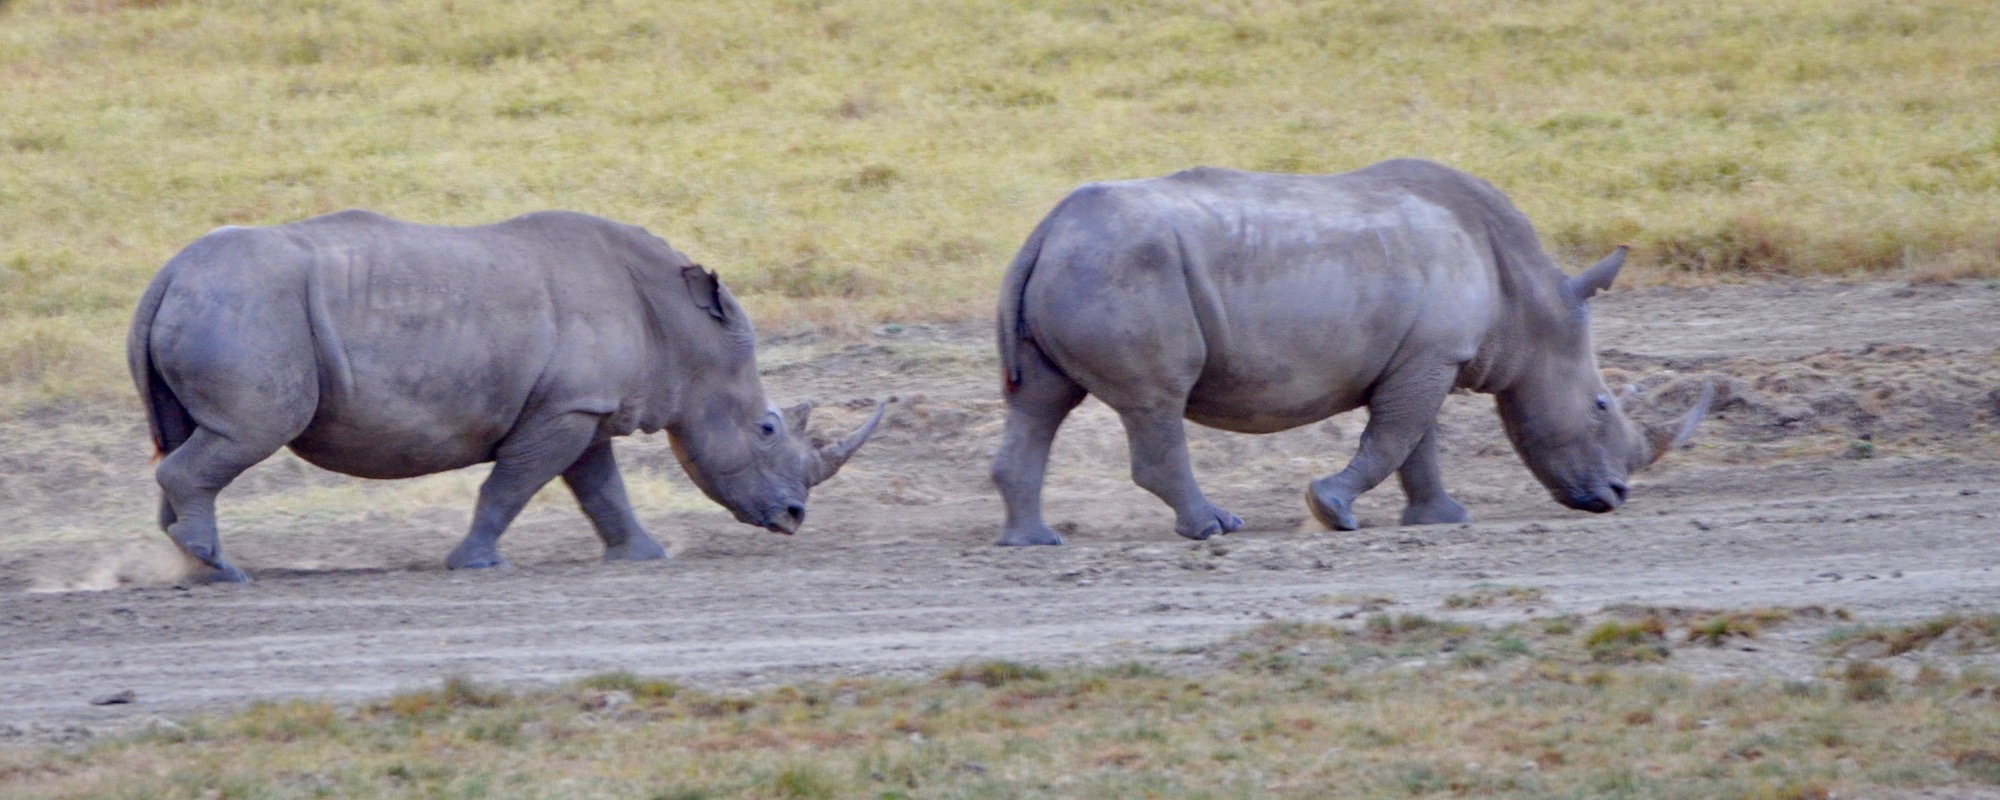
{"x": 829, "y": 459}
{"x": 1661, "y": 438}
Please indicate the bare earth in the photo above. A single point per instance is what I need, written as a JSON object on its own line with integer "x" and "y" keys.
{"x": 1853, "y": 464}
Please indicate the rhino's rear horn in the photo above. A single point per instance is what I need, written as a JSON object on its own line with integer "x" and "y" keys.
{"x": 1661, "y": 438}
{"x": 829, "y": 459}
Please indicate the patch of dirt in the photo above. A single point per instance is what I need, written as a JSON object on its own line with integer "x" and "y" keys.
{"x": 1853, "y": 463}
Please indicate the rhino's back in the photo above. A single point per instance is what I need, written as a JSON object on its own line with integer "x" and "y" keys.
{"x": 431, "y": 342}
{"x": 1305, "y": 288}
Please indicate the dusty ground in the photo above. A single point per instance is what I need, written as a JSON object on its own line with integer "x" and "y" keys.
{"x": 1853, "y": 463}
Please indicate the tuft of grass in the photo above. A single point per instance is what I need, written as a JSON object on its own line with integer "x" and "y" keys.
{"x": 993, "y": 673}
{"x": 804, "y": 781}
{"x": 1982, "y": 765}
{"x": 1960, "y": 632}
{"x": 1868, "y": 681}
{"x": 639, "y": 688}
{"x": 1627, "y": 641}
{"x": 458, "y": 692}
{"x": 288, "y": 721}
{"x": 1486, "y": 595}
{"x": 1716, "y": 627}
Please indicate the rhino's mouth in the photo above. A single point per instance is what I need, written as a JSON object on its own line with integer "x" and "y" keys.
{"x": 785, "y": 520}
{"x": 1607, "y": 498}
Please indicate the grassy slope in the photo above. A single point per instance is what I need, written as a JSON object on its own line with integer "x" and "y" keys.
{"x": 1403, "y": 707}
{"x": 848, "y": 162}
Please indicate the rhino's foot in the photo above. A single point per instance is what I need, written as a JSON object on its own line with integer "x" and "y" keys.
{"x": 1331, "y": 511}
{"x": 1210, "y": 521}
{"x": 219, "y": 570}
{"x": 1028, "y": 536}
{"x": 1442, "y": 511}
{"x": 464, "y": 557}
{"x": 637, "y": 548}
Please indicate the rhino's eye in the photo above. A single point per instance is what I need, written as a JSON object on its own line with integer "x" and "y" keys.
{"x": 767, "y": 428}
{"x": 1603, "y": 403}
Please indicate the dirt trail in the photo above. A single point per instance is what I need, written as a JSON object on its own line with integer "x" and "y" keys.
{"x": 1854, "y": 463}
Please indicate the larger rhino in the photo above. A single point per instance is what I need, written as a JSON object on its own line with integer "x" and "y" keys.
{"x": 385, "y": 349}
{"x": 1256, "y": 302}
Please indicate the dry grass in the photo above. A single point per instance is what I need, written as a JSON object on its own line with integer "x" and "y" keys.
{"x": 1961, "y": 633}
{"x": 1484, "y": 595}
{"x": 844, "y": 164}
{"x": 1295, "y": 710}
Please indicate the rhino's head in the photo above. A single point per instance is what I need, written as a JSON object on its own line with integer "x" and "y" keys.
{"x": 1570, "y": 428}
{"x": 744, "y": 453}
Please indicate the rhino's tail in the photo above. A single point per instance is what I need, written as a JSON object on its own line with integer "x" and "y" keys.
{"x": 166, "y": 418}
{"x": 1013, "y": 326}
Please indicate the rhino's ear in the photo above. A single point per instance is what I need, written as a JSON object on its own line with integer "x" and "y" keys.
{"x": 1596, "y": 279}
{"x": 795, "y": 417}
{"x": 706, "y": 290}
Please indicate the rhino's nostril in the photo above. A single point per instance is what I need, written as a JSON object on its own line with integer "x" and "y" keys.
{"x": 1594, "y": 503}
{"x": 1619, "y": 489}
{"x": 797, "y": 511}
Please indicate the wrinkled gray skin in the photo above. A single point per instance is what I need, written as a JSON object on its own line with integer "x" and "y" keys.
{"x": 385, "y": 349}
{"x": 1258, "y": 302}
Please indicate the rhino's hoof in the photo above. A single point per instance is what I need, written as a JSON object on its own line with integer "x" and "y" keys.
{"x": 1029, "y": 537}
{"x": 1330, "y": 511}
{"x": 225, "y": 572}
{"x": 1215, "y": 523}
{"x": 1445, "y": 512}
{"x": 218, "y": 570}
{"x": 483, "y": 561}
{"x": 638, "y": 549}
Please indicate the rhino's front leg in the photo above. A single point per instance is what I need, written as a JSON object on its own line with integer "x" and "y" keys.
{"x": 531, "y": 456}
{"x": 1158, "y": 440}
{"x": 1423, "y": 485}
{"x": 599, "y": 489}
{"x": 1400, "y": 415}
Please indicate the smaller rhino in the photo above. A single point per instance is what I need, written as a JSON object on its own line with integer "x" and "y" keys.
{"x": 385, "y": 349}
{"x": 1256, "y": 302}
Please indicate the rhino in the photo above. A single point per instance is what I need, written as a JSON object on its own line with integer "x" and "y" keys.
{"x": 1256, "y": 302}
{"x": 386, "y": 349}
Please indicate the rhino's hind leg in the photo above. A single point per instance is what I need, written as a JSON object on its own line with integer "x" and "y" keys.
{"x": 1423, "y": 486}
{"x": 1158, "y": 440}
{"x": 1401, "y": 413}
{"x": 531, "y": 456}
{"x": 599, "y": 489}
{"x": 1035, "y": 409}
{"x": 190, "y": 477}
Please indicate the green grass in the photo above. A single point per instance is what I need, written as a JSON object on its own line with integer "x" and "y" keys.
{"x": 846, "y": 163}
{"x": 1293, "y": 710}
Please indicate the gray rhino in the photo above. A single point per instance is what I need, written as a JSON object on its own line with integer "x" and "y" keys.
{"x": 1256, "y": 302}
{"x": 385, "y": 349}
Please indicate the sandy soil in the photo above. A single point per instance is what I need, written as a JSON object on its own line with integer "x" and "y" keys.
{"x": 1853, "y": 463}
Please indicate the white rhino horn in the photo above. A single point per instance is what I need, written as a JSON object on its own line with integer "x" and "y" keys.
{"x": 829, "y": 459}
{"x": 1661, "y": 438}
